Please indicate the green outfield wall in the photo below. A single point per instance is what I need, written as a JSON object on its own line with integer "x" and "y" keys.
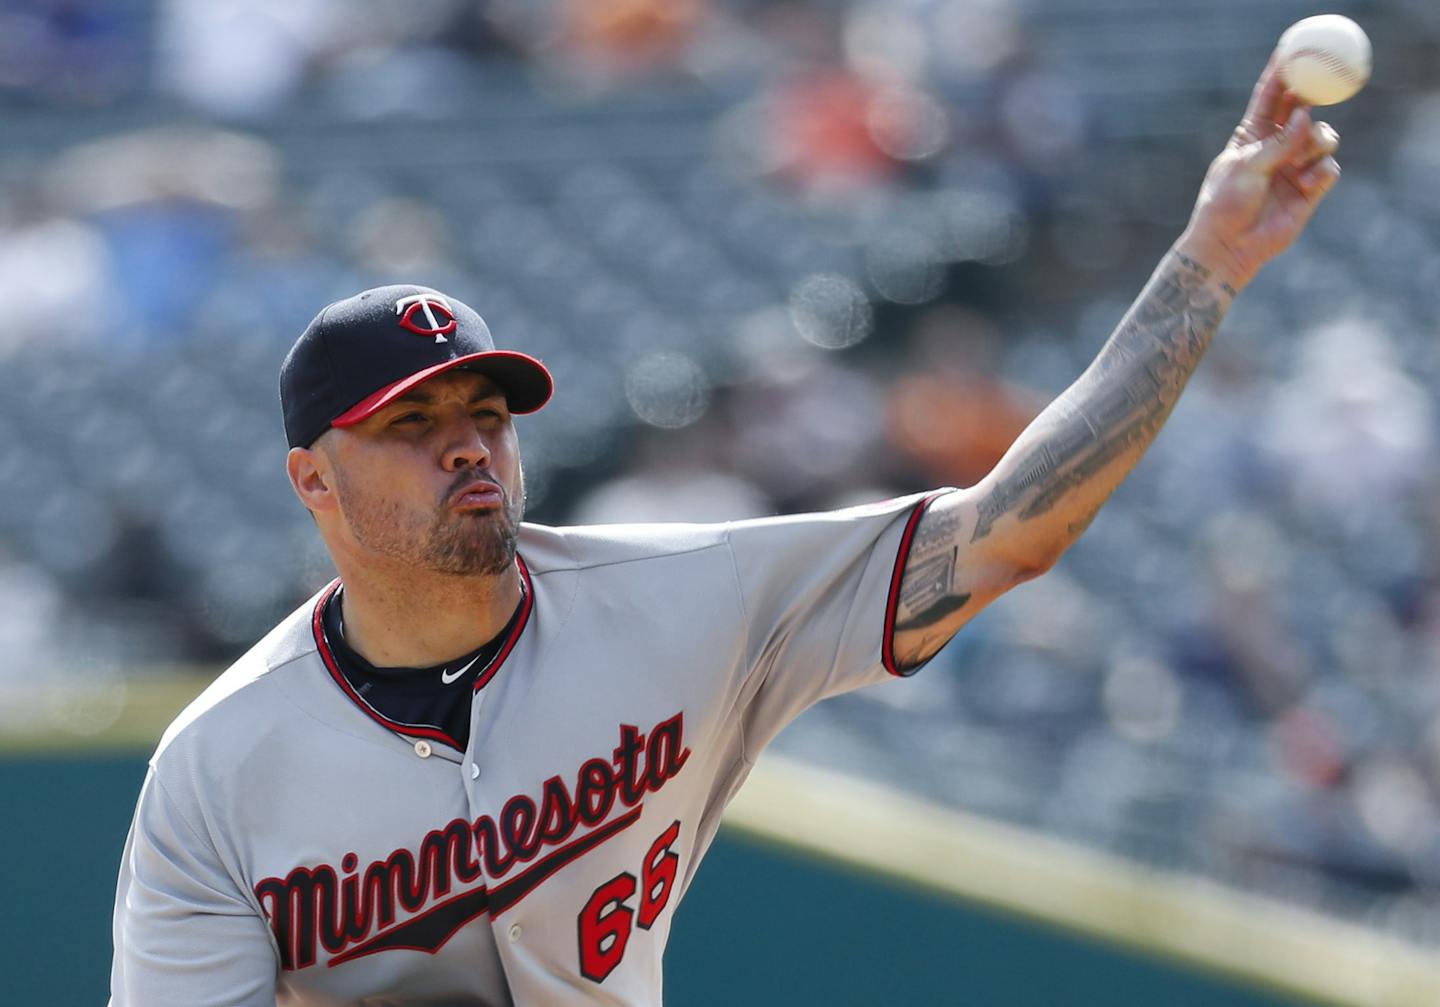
{"x": 821, "y": 889}
{"x": 763, "y": 924}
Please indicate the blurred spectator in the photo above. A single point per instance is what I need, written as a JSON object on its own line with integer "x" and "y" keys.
{"x": 1350, "y": 428}
{"x": 242, "y": 58}
{"x": 168, "y": 203}
{"x": 671, "y": 481}
{"x": 56, "y": 274}
{"x": 811, "y": 433}
{"x": 950, "y": 414}
{"x": 1246, "y": 561}
{"x": 30, "y": 612}
{"x": 819, "y": 133}
{"x": 70, "y": 51}
{"x": 618, "y": 38}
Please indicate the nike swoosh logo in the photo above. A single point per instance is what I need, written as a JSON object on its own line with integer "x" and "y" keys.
{"x": 447, "y": 678}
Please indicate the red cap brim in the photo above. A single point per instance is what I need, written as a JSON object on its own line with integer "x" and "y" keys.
{"x": 526, "y": 382}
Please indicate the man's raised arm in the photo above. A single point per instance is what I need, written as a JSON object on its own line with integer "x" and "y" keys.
{"x": 975, "y": 544}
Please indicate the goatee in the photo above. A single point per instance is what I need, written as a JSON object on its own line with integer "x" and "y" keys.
{"x": 474, "y": 543}
{"x": 457, "y": 543}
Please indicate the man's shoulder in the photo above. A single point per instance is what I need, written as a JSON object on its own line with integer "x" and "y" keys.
{"x": 577, "y": 547}
{"x": 547, "y": 548}
{"x": 243, "y": 693}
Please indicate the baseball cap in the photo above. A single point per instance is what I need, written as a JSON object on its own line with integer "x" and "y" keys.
{"x": 362, "y": 353}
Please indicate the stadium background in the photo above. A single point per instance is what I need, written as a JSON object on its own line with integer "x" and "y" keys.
{"x": 780, "y": 255}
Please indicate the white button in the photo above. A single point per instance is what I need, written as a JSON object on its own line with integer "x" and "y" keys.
{"x": 422, "y": 749}
{"x": 474, "y": 771}
{"x": 514, "y": 932}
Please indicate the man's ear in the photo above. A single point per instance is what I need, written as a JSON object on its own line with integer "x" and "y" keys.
{"x": 313, "y": 479}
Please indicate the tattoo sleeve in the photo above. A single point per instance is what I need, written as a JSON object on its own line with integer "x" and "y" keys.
{"x": 1051, "y": 484}
{"x": 1079, "y": 449}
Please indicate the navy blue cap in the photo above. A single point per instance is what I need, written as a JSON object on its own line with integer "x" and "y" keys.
{"x": 360, "y": 354}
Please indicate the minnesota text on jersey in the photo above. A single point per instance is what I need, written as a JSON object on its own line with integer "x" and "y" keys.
{"x": 340, "y": 910}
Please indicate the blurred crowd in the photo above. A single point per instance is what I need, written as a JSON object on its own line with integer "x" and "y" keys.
{"x": 781, "y": 255}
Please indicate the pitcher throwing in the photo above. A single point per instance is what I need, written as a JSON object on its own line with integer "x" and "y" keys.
{"x": 483, "y": 765}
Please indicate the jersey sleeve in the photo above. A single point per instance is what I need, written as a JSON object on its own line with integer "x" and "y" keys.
{"x": 184, "y": 933}
{"x": 819, "y": 594}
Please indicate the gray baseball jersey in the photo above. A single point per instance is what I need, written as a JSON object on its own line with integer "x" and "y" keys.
{"x": 291, "y": 845}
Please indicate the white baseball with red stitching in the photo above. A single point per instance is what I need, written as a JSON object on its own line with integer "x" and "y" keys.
{"x": 1325, "y": 59}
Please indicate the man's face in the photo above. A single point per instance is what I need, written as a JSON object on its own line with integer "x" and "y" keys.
{"x": 433, "y": 480}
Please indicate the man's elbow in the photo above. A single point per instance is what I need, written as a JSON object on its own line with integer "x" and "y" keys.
{"x": 1032, "y": 563}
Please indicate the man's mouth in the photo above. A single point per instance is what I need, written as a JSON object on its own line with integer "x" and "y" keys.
{"x": 479, "y": 495}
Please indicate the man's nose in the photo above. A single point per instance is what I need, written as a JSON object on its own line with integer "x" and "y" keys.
{"x": 464, "y": 447}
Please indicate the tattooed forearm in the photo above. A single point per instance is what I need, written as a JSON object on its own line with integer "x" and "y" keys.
{"x": 1051, "y": 485}
{"x": 1080, "y": 448}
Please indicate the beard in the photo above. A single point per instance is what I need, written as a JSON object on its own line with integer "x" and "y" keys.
{"x": 457, "y": 543}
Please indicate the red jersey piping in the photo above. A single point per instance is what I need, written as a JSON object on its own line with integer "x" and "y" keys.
{"x": 317, "y": 626}
{"x": 892, "y": 604}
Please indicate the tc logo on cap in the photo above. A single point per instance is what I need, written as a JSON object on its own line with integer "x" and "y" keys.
{"x": 437, "y": 312}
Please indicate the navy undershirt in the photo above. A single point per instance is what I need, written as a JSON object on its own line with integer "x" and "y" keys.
{"x": 418, "y": 697}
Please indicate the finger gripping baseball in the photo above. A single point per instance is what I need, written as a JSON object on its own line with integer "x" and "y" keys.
{"x": 1284, "y": 145}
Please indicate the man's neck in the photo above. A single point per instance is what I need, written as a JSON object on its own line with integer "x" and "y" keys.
{"x": 413, "y": 622}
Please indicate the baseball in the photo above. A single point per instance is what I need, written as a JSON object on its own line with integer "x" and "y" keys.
{"x": 1324, "y": 59}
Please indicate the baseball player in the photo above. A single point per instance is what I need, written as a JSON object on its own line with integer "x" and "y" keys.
{"x": 483, "y": 765}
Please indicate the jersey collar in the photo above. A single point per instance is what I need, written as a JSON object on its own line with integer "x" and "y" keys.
{"x": 317, "y": 626}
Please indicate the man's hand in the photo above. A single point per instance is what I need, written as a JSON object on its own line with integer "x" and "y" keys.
{"x": 1261, "y": 191}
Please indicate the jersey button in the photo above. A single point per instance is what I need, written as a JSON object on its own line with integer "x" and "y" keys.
{"x": 514, "y": 932}
{"x": 423, "y": 749}
{"x": 474, "y": 771}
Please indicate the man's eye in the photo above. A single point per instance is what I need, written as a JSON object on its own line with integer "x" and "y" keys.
{"x": 408, "y": 418}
